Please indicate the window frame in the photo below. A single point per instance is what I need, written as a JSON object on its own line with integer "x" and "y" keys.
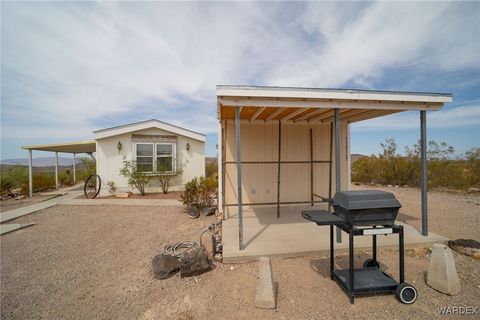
{"x": 155, "y": 157}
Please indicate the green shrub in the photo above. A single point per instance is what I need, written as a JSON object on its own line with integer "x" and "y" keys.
{"x": 200, "y": 193}
{"x": 6, "y": 184}
{"x": 136, "y": 178}
{"x": 85, "y": 168}
{"x": 65, "y": 178}
{"x": 444, "y": 171}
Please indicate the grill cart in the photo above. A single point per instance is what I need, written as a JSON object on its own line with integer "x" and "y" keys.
{"x": 365, "y": 213}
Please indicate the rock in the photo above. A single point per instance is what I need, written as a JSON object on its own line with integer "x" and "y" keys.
{"x": 442, "y": 274}
{"x": 265, "y": 295}
{"x": 209, "y": 211}
{"x": 123, "y": 194}
{"x": 192, "y": 212}
{"x": 468, "y": 247}
{"x": 164, "y": 266}
{"x": 194, "y": 262}
{"x": 218, "y": 257}
{"x": 473, "y": 190}
{"x": 20, "y": 197}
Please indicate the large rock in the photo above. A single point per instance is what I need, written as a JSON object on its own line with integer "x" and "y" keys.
{"x": 165, "y": 266}
{"x": 265, "y": 296}
{"x": 442, "y": 274}
{"x": 194, "y": 262}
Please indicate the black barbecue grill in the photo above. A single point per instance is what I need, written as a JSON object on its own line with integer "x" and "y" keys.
{"x": 361, "y": 213}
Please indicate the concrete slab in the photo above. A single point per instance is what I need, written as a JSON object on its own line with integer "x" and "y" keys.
{"x": 123, "y": 202}
{"x": 20, "y": 212}
{"x": 265, "y": 294}
{"x": 6, "y": 228}
{"x": 291, "y": 235}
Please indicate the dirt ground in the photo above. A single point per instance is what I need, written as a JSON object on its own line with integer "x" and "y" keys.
{"x": 11, "y": 204}
{"x": 94, "y": 262}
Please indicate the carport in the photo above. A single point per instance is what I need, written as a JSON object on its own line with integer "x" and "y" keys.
{"x": 280, "y": 147}
{"x": 75, "y": 147}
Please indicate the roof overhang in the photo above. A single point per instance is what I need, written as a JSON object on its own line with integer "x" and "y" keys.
{"x": 315, "y": 104}
{"x": 148, "y": 124}
{"x": 67, "y": 147}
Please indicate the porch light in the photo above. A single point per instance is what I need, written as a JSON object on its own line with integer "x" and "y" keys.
{"x": 188, "y": 146}
{"x": 119, "y": 146}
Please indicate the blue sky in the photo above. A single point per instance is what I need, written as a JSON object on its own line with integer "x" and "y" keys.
{"x": 70, "y": 68}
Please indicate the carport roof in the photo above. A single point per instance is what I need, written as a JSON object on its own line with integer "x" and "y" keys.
{"x": 318, "y": 104}
{"x": 88, "y": 146}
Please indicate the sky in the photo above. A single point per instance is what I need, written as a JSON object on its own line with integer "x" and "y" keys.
{"x": 69, "y": 68}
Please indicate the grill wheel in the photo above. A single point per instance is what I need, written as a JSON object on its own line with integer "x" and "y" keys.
{"x": 406, "y": 293}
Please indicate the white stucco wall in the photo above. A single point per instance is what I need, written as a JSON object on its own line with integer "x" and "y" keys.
{"x": 110, "y": 160}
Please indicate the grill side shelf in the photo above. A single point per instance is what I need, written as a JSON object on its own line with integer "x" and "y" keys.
{"x": 322, "y": 217}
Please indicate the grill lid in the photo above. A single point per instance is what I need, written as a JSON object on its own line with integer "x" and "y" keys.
{"x": 365, "y": 199}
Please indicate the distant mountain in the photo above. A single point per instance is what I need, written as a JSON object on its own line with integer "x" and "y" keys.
{"x": 355, "y": 156}
{"x": 40, "y": 162}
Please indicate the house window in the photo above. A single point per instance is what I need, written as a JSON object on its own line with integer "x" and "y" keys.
{"x": 153, "y": 157}
{"x": 145, "y": 157}
{"x": 165, "y": 157}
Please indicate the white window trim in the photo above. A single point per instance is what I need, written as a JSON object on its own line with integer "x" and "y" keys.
{"x": 155, "y": 156}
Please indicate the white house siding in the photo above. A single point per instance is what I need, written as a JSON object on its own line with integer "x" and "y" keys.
{"x": 110, "y": 160}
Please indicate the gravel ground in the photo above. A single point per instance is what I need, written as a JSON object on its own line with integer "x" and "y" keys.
{"x": 94, "y": 263}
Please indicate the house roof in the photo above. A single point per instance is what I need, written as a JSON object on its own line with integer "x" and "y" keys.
{"x": 318, "y": 104}
{"x": 147, "y": 124}
{"x": 66, "y": 147}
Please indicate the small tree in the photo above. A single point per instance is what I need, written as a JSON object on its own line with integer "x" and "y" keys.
{"x": 165, "y": 174}
{"x": 136, "y": 178}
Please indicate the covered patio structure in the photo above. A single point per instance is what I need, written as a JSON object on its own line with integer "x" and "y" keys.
{"x": 74, "y": 147}
{"x": 285, "y": 148}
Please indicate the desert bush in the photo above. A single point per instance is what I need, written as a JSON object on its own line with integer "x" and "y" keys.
{"x": 200, "y": 193}
{"x": 444, "y": 170}
{"x": 85, "y": 168}
{"x": 65, "y": 178}
{"x": 112, "y": 188}
{"x": 136, "y": 178}
{"x": 6, "y": 184}
{"x": 211, "y": 169}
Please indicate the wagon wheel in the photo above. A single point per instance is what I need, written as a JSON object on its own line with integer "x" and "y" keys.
{"x": 92, "y": 186}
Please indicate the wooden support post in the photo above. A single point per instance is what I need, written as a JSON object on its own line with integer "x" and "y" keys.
{"x": 278, "y": 171}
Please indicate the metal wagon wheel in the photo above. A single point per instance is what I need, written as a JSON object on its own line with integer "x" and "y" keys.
{"x": 92, "y": 186}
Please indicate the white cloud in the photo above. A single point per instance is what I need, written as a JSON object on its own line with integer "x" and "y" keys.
{"x": 66, "y": 66}
{"x": 463, "y": 116}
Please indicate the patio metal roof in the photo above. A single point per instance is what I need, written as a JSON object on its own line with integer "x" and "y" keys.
{"x": 67, "y": 147}
{"x": 318, "y": 104}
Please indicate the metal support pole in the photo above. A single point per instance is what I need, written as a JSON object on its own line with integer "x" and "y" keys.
{"x": 311, "y": 167}
{"x": 423, "y": 147}
{"x": 239, "y": 178}
{"x": 278, "y": 171}
{"x": 56, "y": 170}
{"x": 220, "y": 167}
{"x": 30, "y": 177}
{"x": 401, "y": 255}
{"x": 337, "y": 163}
{"x": 332, "y": 253}
{"x": 351, "y": 270}
{"x": 74, "y": 168}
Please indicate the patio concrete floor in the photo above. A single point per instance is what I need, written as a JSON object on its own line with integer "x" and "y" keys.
{"x": 291, "y": 235}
